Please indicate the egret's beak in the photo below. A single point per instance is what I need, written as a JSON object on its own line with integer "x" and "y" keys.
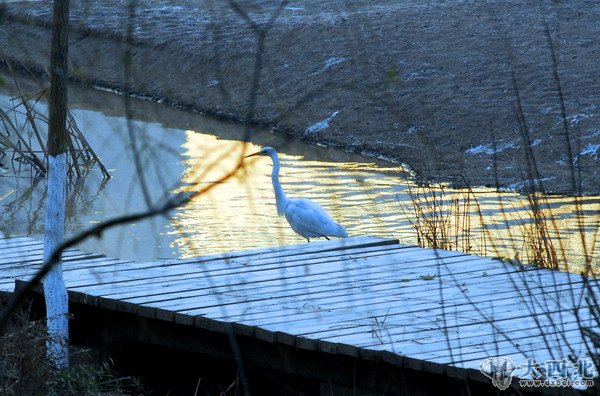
{"x": 252, "y": 155}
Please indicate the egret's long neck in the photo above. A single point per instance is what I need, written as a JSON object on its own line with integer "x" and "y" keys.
{"x": 280, "y": 198}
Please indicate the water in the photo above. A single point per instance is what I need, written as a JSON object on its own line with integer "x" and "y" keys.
{"x": 184, "y": 151}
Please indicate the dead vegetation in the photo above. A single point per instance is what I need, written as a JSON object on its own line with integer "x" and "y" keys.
{"x": 24, "y": 129}
{"x": 26, "y": 370}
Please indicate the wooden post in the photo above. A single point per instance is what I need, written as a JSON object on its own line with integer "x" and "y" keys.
{"x": 55, "y": 292}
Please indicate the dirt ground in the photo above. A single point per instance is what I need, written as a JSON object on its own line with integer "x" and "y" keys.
{"x": 425, "y": 83}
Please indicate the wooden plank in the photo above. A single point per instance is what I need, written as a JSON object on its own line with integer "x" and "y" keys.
{"x": 478, "y": 355}
{"x": 369, "y": 311}
{"x": 366, "y": 330}
{"x": 315, "y": 246}
{"x": 72, "y": 258}
{"x": 295, "y": 315}
{"x": 290, "y": 250}
{"x": 503, "y": 330}
{"x": 68, "y": 265}
{"x": 15, "y": 241}
{"x": 534, "y": 346}
{"x": 5, "y": 251}
{"x": 366, "y": 335}
{"x": 416, "y": 307}
{"x": 19, "y": 246}
{"x": 336, "y": 315}
{"x": 12, "y": 271}
{"x": 94, "y": 275}
{"x": 164, "y": 271}
{"x": 417, "y": 289}
{"x": 540, "y": 351}
{"x": 163, "y": 275}
{"x": 195, "y": 302}
{"x": 19, "y": 251}
{"x": 17, "y": 260}
{"x": 198, "y": 297}
{"x": 225, "y": 264}
{"x": 162, "y": 290}
{"x": 256, "y": 281}
{"x": 458, "y": 285}
{"x": 319, "y": 285}
{"x": 438, "y": 346}
{"x": 305, "y": 248}
{"x": 168, "y": 287}
{"x": 159, "y": 277}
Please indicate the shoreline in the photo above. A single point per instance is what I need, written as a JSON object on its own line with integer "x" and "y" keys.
{"x": 434, "y": 93}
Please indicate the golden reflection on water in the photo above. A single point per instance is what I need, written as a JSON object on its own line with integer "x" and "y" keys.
{"x": 239, "y": 212}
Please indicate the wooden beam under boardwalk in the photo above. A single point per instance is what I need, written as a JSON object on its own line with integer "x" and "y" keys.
{"x": 415, "y": 320}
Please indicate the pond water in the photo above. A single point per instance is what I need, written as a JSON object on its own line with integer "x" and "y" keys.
{"x": 179, "y": 150}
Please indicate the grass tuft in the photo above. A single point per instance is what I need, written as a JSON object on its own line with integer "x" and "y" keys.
{"x": 443, "y": 220}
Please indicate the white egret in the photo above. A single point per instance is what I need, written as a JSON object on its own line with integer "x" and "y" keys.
{"x": 306, "y": 217}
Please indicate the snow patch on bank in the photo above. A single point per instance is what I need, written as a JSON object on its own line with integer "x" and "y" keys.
{"x": 324, "y": 124}
{"x": 577, "y": 118}
{"x": 595, "y": 133}
{"x": 489, "y": 149}
{"x": 591, "y": 150}
{"x": 336, "y": 60}
{"x": 523, "y": 185}
{"x": 329, "y": 63}
{"x": 536, "y": 142}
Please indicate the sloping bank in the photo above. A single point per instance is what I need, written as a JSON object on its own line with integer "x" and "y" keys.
{"x": 424, "y": 83}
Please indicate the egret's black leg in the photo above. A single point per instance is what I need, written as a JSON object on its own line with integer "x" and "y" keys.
{"x": 308, "y": 239}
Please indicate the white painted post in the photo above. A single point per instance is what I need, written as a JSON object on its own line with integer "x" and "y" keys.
{"x": 55, "y": 292}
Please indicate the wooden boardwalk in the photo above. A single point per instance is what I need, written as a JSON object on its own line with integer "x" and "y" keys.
{"x": 430, "y": 310}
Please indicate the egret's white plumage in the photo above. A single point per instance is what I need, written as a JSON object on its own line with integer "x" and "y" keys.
{"x": 306, "y": 217}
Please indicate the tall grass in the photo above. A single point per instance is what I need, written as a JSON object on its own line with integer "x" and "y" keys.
{"x": 25, "y": 369}
{"x": 450, "y": 219}
{"x": 443, "y": 220}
